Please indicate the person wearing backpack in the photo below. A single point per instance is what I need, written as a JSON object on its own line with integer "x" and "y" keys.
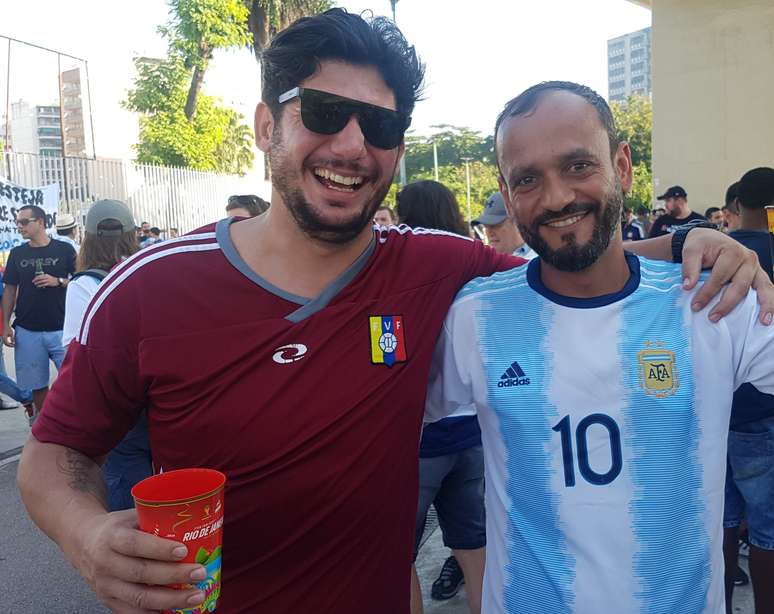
{"x": 109, "y": 239}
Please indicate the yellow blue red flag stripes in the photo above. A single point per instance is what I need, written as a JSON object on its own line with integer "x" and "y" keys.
{"x": 388, "y": 340}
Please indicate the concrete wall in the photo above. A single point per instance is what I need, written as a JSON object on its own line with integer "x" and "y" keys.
{"x": 713, "y": 94}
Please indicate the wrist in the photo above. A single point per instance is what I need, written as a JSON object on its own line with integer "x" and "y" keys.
{"x": 681, "y": 234}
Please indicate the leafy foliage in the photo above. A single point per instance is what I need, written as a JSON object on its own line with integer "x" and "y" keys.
{"x": 453, "y": 144}
{"x": 634, "y": 123}
{"x": 214, "y": 140}
{"x": 267, "y": 17}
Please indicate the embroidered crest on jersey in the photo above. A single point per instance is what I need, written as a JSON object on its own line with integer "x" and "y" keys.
{"x": 658, "y": 371}
{"x": 388, "y": 340}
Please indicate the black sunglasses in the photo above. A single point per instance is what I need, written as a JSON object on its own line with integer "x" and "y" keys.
{"x": 326, "y": 113}
{"x": 21, "y": 221}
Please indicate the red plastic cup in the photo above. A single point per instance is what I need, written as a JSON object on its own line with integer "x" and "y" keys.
{"x": 186, "y": 505}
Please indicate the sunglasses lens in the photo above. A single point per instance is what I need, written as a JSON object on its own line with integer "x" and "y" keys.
{"x": 382, "y": 129}
{"x": 323, "y": 113}
{"x": 326, "y": 113}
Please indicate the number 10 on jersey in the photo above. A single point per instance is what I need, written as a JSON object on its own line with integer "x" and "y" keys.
{"x": 564, "y": 428}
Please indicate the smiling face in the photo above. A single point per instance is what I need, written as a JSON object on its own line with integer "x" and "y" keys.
{"x": 331, "y": 184}
{"x": 559, "y": 181}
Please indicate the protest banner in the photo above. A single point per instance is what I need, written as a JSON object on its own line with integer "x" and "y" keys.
{"x": 12, "y": 198}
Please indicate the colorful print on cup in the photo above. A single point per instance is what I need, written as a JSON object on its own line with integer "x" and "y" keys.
{"x": 186, "y": 505}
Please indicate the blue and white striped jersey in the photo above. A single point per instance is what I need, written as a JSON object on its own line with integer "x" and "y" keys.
{"x": 604, "y": 426}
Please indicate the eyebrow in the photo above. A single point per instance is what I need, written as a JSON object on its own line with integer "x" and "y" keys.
{"x": 574, "y": 154}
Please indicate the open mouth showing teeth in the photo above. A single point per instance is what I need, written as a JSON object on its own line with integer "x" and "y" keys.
{"x": 569, "y": 221}
{"x": 338, "y": 182}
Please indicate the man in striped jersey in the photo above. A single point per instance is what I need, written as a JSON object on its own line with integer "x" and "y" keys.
{"x": 603, "y": 399}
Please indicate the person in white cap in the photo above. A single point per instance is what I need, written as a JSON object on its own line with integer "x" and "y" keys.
{"x": 67, "y": 230}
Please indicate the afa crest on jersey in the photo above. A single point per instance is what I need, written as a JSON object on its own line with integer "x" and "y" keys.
{"x": 658, "y": 370}
{"x": 388, "y": 340}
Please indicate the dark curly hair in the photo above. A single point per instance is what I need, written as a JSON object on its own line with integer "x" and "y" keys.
{"x": 295, "y": 54}
{"x": 429, "y": 204}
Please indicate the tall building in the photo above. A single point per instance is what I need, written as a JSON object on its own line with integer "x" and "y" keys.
{"x": 72, "y": 116}
{"x": 36, "y": 129}
{"x": 628, "y": 65}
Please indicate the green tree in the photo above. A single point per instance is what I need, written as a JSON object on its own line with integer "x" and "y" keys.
{"x": 267, "y": 17}
{"x": 197, "y": 28}
{"x": 454, "y": 143}
{"x": 634, "y": 124}
{"x": 215, "y": 139}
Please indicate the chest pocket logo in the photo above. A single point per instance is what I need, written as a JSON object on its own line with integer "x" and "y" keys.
{"x": 293, "y": 352}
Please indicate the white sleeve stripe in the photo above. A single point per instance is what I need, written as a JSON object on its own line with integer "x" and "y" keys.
{"x": 120, "y": 274}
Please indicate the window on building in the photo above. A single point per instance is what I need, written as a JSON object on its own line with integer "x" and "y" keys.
{"x": 638, "y": 53}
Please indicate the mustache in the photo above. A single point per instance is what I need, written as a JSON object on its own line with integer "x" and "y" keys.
{"x": 571, "y": 209}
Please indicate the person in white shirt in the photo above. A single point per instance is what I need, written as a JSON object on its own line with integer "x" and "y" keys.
{"x": 110, "y": 238}
{"x": 603, "y": 398}
{"x": 502, "y": 232}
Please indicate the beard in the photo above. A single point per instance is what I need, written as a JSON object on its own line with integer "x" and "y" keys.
{"x": 287, "y": 183}
{"x": 572, "y": 257}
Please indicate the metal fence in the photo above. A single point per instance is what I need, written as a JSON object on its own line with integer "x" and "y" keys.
{"x": 163, "y": 196}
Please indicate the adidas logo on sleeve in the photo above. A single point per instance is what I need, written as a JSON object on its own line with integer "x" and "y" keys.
{"x": 513, "y": 376}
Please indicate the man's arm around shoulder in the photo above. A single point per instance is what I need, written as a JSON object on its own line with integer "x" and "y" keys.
{"x": 65, "y": 496}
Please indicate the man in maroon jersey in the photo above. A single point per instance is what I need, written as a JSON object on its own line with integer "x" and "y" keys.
{"x": 321, "y": 330}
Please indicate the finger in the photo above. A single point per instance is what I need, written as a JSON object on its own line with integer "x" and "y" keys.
{"x": 152, "y": 598}
{"x": 146, "y": 571}
{"x": 734, "y": 293}
{"x": 692, "y": 261}
{"x": 726, "y": 266}
{"x": 135, "y": 543}
{"x": 765, "y": 291}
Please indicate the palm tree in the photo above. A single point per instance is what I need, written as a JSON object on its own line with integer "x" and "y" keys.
{"x": 252, "y": 23}
{"x": 267, "y": 17}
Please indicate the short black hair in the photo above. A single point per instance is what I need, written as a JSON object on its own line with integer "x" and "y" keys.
{"x": 37, "y": 212}
{"x": 155, "y": 231}
{"x": 296, "y": 53}
{"x": 528, "y": 100}
{"x": 756, "y": 188}
{"x": 255, "y": 205}
{"x": 732, "y": 193}
{"x": 711, "y": 211}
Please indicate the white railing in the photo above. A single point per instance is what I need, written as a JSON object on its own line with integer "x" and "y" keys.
{"x": 162, "y": 196}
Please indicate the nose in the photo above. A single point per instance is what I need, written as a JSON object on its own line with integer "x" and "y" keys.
{"x": 557, "y": 194}
{"x": 349, "y": 143}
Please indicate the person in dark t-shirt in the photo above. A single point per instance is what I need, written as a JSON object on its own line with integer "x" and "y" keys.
{"x": 750, "y": 473}
{"x": 678, "y": 212}
{"x": 36, "y": 276}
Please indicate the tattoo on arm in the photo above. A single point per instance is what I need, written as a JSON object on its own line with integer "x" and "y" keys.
{"x": 83, "y": 475}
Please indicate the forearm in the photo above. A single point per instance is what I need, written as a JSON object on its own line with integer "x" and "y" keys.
{"x": 61, "y": 489}
{"x": 659, "y": 248}
{"x": 9, "y": 302}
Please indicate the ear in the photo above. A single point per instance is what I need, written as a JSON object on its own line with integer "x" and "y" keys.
{"x": 264, "y": 127}
{"x": 506, "y": 195}
{"x": 622, "y": 164}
